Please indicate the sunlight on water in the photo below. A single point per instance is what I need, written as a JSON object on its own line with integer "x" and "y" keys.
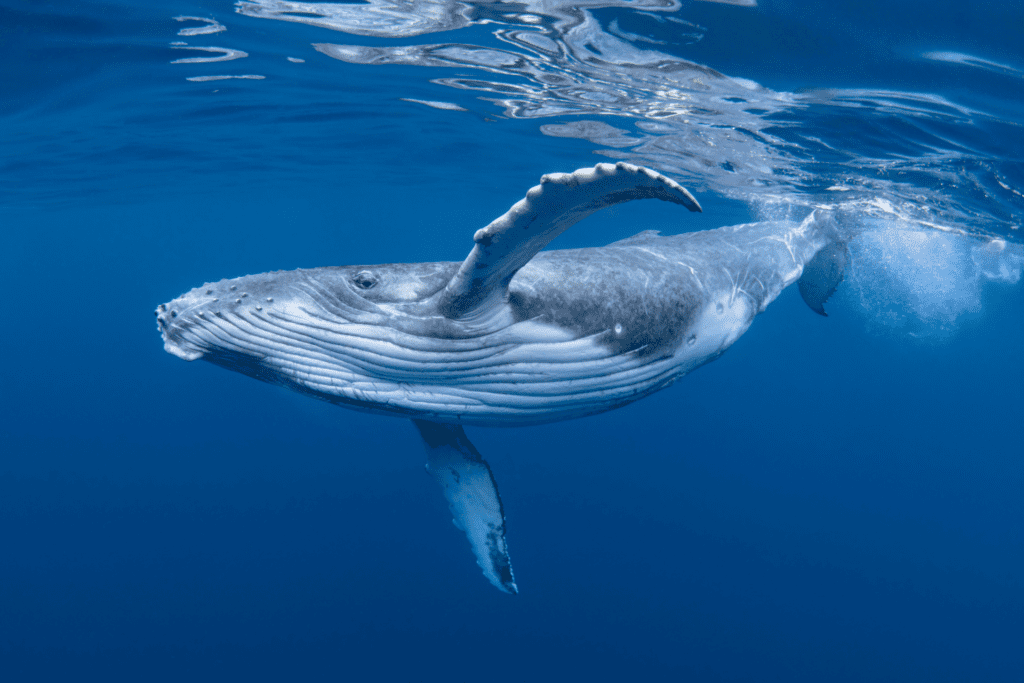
{"x": 968, "y": 60}
{"x": 901, "y": 168}
{"x": 721, "y": 133}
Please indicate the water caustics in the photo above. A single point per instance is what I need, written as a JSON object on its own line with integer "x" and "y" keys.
{"x": 913, "y": 177}
{"x": 209, "y": 54}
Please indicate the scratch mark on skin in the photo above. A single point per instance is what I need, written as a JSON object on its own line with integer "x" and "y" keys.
{"x": 652, "y": 253}
{"x": 787, "y": 243}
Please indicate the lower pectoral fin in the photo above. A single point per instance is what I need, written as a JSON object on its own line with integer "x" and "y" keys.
{"x": 472, "y": 496}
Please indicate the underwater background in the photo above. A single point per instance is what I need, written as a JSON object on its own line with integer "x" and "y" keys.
{"x": 834, "y": 499}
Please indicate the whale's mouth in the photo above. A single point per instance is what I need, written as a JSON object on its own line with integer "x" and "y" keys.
{"x": 172, "y": 323}
{"x": 226, "y": 318}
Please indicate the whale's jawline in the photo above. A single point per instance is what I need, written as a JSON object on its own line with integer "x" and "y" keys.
{"x": 182, "y": 353}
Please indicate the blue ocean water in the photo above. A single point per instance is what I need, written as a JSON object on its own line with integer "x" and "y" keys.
{"x": 834, "y": 499}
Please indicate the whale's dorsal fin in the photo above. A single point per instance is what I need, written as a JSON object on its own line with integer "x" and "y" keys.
{"x": 561, "y": 199}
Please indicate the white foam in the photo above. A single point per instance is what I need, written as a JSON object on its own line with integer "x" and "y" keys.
{"x": 923, "y": 282}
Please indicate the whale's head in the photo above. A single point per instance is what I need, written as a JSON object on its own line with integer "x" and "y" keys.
{"x": 239, "y": 311}
{"x": 287, "y": 326}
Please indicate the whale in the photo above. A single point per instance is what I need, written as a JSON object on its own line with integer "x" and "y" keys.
{"x": 514, "y": 334}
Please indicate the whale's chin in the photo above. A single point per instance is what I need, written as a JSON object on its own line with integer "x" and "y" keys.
{"x": 182, "y": 352}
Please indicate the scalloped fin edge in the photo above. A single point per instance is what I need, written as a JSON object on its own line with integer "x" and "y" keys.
{"x": 558, "y": 202}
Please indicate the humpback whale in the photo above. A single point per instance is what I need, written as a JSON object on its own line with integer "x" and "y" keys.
{"x": 513, "y": 335}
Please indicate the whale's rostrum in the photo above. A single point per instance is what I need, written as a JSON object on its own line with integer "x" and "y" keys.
{"x": 513, "y": 335}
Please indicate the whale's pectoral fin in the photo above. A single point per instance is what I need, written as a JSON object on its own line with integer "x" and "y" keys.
{"x": 472, "y": 496}
{"x": 561, "y": 199}
{"x": 823, "y": 273}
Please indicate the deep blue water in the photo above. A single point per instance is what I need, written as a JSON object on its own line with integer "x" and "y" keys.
{"x": 834, "y": 499}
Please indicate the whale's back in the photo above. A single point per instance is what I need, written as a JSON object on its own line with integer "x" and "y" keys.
{"x": 650, "y": 289}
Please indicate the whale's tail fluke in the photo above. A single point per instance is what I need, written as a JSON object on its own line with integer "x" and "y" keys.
{"x": 824, "y": 272}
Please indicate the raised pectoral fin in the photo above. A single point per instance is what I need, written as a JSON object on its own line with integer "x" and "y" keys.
{"x": 472, "y": 496}
{"x": 561, "y": 199}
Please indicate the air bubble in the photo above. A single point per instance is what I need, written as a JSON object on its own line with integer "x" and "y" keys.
{"x": 270, "y": 299}
{"x": 618, "y": 328}
{"x": 238, "y": 301}
{"x": 719, "y": 308}
{"x": 921, "y": 282}
{"x": 234, "y": 287}
{"x": 692, "y": 340}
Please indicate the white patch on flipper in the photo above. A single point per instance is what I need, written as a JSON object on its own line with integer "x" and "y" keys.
{"x": 472, "y": 497}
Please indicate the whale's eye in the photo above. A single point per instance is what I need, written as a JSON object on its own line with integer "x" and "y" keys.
{"x": 364, "y": 279}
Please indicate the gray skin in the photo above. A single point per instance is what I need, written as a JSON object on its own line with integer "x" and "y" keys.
{"x": 513, "y": 335}
{"x": 582, "y": 330}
